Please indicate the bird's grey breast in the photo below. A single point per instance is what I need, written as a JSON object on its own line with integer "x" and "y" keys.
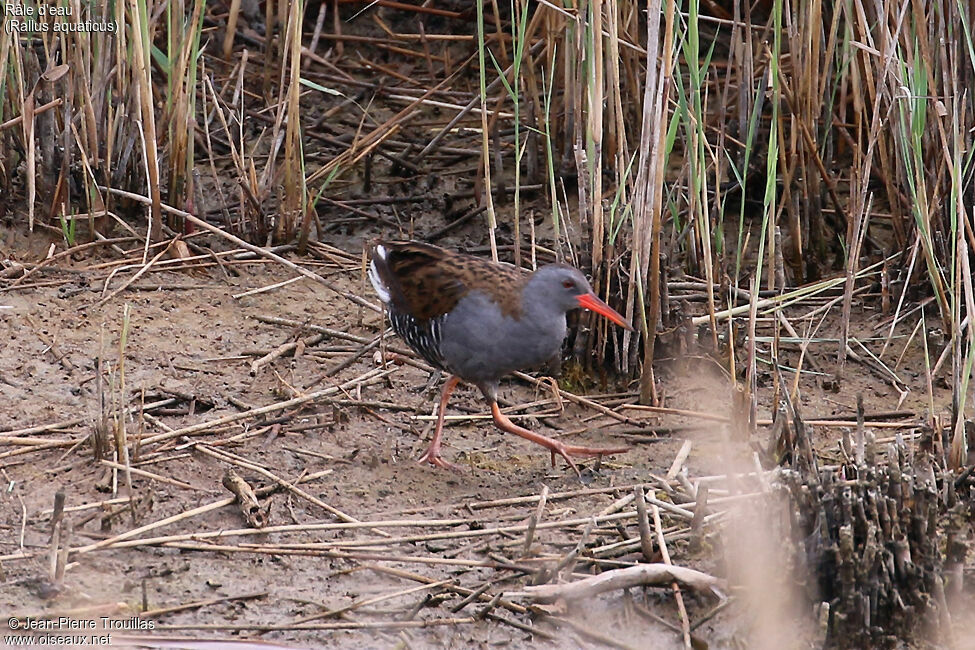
{"x": 481, "y": 343}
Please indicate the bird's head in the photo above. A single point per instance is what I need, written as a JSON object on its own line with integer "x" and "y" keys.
{"x": 567, "y": 288}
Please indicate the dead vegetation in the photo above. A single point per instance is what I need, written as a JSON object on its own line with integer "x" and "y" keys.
{"x": 777, "y": 194}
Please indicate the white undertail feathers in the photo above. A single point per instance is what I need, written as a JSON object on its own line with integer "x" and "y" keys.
{"x": 377, "y": 283}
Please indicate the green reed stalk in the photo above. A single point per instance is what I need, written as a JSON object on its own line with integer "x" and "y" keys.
{"x": 772, "y": 161}
{"x": 549, "y": 154}
{"x": 911, "y": 111}
{"x": 485, "y": 152}
{"x": 519, "y": 23}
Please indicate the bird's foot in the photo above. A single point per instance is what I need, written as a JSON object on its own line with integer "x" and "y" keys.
{"x": 433, "y": 457}
{"x": 432, "y": 454}
{"x": 567, "y": 451}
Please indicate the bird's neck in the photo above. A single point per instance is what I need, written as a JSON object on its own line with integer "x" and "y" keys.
{"x": 540, "y": 314}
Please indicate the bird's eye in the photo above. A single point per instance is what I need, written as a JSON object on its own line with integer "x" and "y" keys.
{"x": 568, "y": 284}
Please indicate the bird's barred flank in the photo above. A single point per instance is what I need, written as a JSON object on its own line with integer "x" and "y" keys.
{"x": 422, "y": 336}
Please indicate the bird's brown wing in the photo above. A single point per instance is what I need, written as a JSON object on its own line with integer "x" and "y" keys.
{"x": 427, "y": 281}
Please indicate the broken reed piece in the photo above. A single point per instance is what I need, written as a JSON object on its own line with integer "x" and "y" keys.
{"x": 643, "y": 523}
{"x": 58, "y": 513}
{"x": 61, "y": 560}
{"x": 55, "y": 539}
{"x": 660, "y": 575}
{"x": 697, "y": 524}
{"x": 533, "y": 520}
{"x": 246, "y": 499}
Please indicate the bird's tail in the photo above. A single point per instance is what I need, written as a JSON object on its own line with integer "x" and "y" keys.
{"x": 376, "y": 276}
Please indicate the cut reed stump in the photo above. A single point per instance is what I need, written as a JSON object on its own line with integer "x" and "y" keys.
{"x": 882, "y": 544}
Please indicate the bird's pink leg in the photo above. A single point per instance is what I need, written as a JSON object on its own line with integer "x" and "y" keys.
{"x": 432, "y": 454}
{"x": 555, "y": 446}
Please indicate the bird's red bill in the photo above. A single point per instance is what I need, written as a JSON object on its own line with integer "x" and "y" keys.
{"x": 592, "y": 302}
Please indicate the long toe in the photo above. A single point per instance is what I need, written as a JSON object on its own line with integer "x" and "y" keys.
{"x": 563, "y": 451}
{"x": 574, "y": 450}
{"x": 567, "y": 451}
{"x": 439, "y": 461}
